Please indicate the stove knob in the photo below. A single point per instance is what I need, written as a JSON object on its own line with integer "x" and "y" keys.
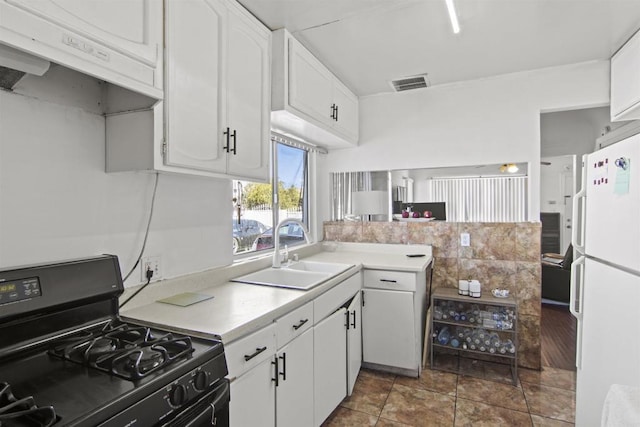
{"x": 177, "y": 395}
{"x": 200, "y": 381}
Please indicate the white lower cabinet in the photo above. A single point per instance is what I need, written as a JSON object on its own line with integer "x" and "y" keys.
{"x": 294, "y": 389}
{"x": 329, "y": 364}
{"x": 253, "y": 397}
{"x": 251, "y": 364}
{"x": 294, "y": 386}
{"x": 296, "y": 371}
{"x": 389, "y": 334}
{"x": 354, "y": 341}
{"x": 393, "y": 317}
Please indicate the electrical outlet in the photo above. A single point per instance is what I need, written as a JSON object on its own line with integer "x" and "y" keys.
{"x": 465, "y": 240}
{"x": 151, "y": 263}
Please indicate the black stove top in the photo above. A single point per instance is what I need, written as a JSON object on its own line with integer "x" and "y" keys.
{"x": 76, "y": 363}
{"x": 128, "y": 351}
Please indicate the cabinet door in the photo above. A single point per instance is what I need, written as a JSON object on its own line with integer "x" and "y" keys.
{"x": 347, "y": 111}
{"x": 310, "y": 84}
{"x": 625, "y": 78}
{"x": 195, "y": 45}
{"x": 248, "y": 96}
{"x": 354, "y": 341}
{"x": 294, "y": 393}
{"x": 253, "y": 397}
{"x": 329, "y": 364}
{"x": 131, "y": 26}
{"x": 388, "y": 332}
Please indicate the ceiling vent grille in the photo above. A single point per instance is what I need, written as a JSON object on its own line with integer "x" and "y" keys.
{"x": 410, "y": 83}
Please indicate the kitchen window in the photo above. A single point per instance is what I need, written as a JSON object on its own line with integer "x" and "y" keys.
{"x": 259, "y": 207}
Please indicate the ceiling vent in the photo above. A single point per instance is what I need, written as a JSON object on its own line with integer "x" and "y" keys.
{"x": 410, "y": 83}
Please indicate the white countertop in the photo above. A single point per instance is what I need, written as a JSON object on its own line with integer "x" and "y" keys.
{"x": 238, "y": 309}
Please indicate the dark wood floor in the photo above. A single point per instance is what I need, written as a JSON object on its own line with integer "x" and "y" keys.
{"x": 558, "y": 336}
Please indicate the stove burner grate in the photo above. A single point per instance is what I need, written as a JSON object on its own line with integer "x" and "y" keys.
{"x": 23, "y": 412}
{"x": 130, "y": 352}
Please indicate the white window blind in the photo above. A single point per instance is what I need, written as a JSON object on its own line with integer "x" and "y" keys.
{"x": 482, "y": 199}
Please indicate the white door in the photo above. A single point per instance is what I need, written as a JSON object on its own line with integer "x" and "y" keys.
{"x": 610, "y": 348}
{"x": 125, "y": 26}
{"x": 248, "y": 97}
{"x": 346, "y": 121}
{"x": 612, "y": 230}
{"x": 195, "y": 48}
{"x": 354, "y": 341}
{"x": 329, "y": 364}
{"x": 388, "y": 334}
{"x": 310, "y": 84}
{"x": 294, "y": 393}
{"x": 253, "y": 400}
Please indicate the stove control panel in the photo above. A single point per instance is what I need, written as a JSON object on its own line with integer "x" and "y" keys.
{"x": 18, "y": 290}
{"x": 163, "y": 405}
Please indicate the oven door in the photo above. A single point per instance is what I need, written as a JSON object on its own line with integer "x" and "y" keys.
{"x": 212, "y": 409}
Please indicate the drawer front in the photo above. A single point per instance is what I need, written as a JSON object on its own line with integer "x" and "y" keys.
{"x": 392, "y": 280}
{"x": 329, "y": 302}
{"x": 249, "y": 351}
{"x": 293, "y": 324}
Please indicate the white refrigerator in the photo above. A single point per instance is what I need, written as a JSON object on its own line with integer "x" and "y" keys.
{"x": 605, "y": 277}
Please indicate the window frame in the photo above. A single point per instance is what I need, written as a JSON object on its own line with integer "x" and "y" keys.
{"x": 309, "y": 214}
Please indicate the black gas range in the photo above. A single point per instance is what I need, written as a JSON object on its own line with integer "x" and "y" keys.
{"x": 67, "y": 359}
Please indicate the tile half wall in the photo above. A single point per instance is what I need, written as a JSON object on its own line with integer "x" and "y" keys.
{"x": 500, "y": 255}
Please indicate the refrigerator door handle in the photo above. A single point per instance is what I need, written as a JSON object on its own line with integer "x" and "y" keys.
{"x": 575, "y": 302}
{"x": 577, "y": 286}
{"x": 578, "y": 226}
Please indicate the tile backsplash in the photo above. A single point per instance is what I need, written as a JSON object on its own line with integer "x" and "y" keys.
{"x": 500, "y": 255}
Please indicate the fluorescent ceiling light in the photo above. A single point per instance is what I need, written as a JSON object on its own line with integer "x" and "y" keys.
{"x": 452, "y": 16}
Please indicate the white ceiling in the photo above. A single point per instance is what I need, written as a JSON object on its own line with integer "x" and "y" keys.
{"x": 367, "y": 43}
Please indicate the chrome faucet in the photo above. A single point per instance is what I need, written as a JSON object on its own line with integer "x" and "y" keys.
{"x": 276, "y": 239}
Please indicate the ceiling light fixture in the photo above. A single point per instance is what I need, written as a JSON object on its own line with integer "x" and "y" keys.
{"x": 452, "y": 16}
{"x": 509, "y": 167}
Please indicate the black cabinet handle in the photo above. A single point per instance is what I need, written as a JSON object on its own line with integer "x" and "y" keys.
{"x": 333, "y": 111}
{"x": 228, "y": 134}
{"x": 233, "y": 135}
{"x": 354, "y": 320}
{"x": 276, "y": 370}
{"x": 299, "y": 325}
{"x": 347, "y": 314}
{"x": 257, "y": 352}
{"x": 336, "y": 113}
{"x": 388, "y": 280}
{"x": 284, "y": 366}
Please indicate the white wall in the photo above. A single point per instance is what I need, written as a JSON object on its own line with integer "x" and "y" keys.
{"x": 573, "y": 132}
{"x": 56, "y": 201}
{"x": 494, "y": 120}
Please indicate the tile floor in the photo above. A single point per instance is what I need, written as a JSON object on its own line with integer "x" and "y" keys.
{"x": 541, "y": 398}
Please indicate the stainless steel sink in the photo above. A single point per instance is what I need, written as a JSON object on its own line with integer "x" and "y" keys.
{"x": 302, "y": 275}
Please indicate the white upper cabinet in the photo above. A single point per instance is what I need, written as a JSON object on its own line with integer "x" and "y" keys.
{"x": 248, "y": 95}
{"x": 119, "y": 42}
{"x": 307, "y": 99}
{"x": 216, "y": 112}
{"x": 625, "y": 81}
{"x": 194, "y": 106}
{"x": 218, "y": 89}
{"x": 346, "y": 111}
{"x": 310, "y": 84}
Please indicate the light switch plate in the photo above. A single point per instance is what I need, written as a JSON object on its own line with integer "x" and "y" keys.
{"x": 465, "y": 240}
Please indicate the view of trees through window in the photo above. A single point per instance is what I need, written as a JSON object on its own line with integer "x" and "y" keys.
{"x": 253, "y": 212}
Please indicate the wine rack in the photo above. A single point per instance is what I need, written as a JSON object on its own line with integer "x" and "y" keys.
{"x": 464, "y": 327}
